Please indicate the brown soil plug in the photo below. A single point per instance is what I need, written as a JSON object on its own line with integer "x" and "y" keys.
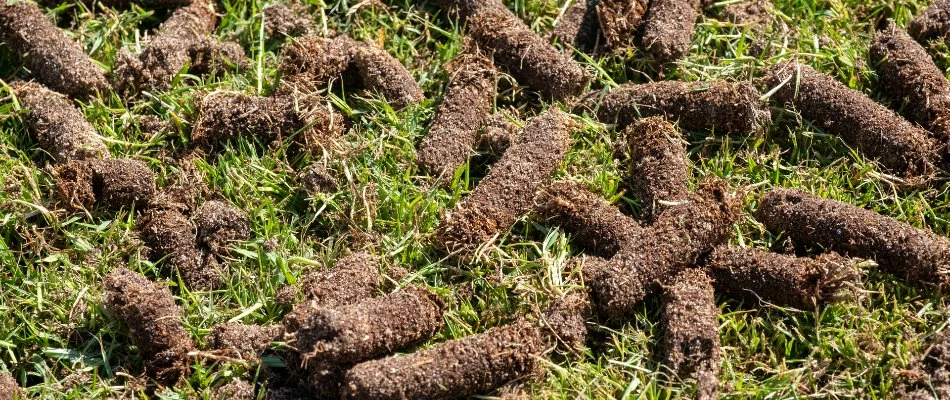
{"x": 167, "y": 232}
{"x": 875, "y": 130}
{"x": 531, "y": 60}
{"x": 381, "y": 72}
{"x": 243, "y": 341}
{"x": 219, "y": 224}
{"x": 58, "y": 126}
{"x": 311, "y": 62}
{"x": 509, "y": 189}
{"x": 237, "y": 389}
{"x": 597, "y": 226}
{"x": 723, "y": 107}
{"x": 53, "y": 59}
{"x": 690, "y": 321}
{"x": 464, "y": 9}
{"x": 578, "y": 27}
{"x": 656, "y": 161}
{"x": 566, "y": 321}
{"x": 783, "y": 280}
{"x": 109, "y": 183}
{"x": 287, "y": 20}
{"x": 154, "y": 322}
{"x": 917, "y": 255}
{"x": 122, "y": 4}
{"x": 933, "y": 23}
{"x": 668, "y": 28}
{"x": 619, "y": 21}
{"x": 751, "y": 12}
{"x": 465, "y": 106}
{"x": 354, "y": 278}
{"x": 457, "y": 368}
{"x": 9, "y": 389}
{"x": 929, "y": 374}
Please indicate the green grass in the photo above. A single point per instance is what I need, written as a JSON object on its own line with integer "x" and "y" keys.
{"x": 56, "y": 338}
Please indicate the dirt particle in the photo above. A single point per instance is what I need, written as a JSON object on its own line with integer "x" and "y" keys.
{"x": 59, "y": 127}
{"x": 861, "y": 122}
{"x": 656, "y": 160}
{"x": 9, "y": 389}
{"x": 929, "y": 374}
{"x": 933, "y": 23}
{"x": 690, "y": 321}
{"x": 354, "y": 278}
{"x": 457, "y": 368}
{"x": 154, "y": 322}
{"x": 496, "y": 134}
{"x": 382, "y": 73}
{"x": 619, "y": 21}
{"x": 314, "y": 61}
{"x": 287, "y": 20}
{"x": 220, "y": 224}
{"x": 110, "y": 183}
{"x": 578, "y": 27}
{"x": 566, "y": 321}
{"x": 917, "y": 255}
{"x": 668, "y": 28}
{"x": 237, "y": 389}
{"x": 243, "y": 341}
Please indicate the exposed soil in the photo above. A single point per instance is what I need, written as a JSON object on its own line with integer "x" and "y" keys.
{"x": 656, "y": 164}
{"x": 595, "y": 225}
{"x": 578, "y": 27}
{"x": 909, "y": 75}
{"x": 722, "y": 107}
{"x": 496, "y": 134}
{"x": 453, "y": 369}
{"x": 929, "y": 375}
{"x": 690, "y": 321}
{"x": 917, "y": 255}
{"x": 59, "y": 127}
{"x": 677, "y": 239}
{"x": 933, "y": 23}
{"x": 352, "y": 279}
{"x": 454, "y": 130}
{"x": 619, "y": 21}
{"x": 566, "y": 321}
{"x": 53, "y": 59}
{"x": 220, "y": 224}
{"x": 875, "y": 130}
{"x": 311, "y": 62}
{"x": 668, "y": 28}
{"x": 237, "y": 389}
{"x": 9, "y": 389}
{"x": 243, "y": 341}
{"x": 527, "y": 57}
{"x": 381, "y": 72}
{"x": 508, "y": 191}
{"x": 287, "y": 20}
{"x": 109, "y": 183}
{"x": 756, "y": 275}
{"x": 154, "y": 322}
{"x": 751, "y": 12}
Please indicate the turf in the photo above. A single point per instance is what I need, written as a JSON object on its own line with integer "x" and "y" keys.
{"x": 58, "y": 341}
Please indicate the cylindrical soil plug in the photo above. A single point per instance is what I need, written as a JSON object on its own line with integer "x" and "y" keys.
{"x": 668, "y": 28}
{"x": 691, "y": 330}
{"x": 656, "y": 163}
{"x": 58, "y": 126}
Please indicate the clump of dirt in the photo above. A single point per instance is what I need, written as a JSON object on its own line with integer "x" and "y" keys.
{"x": 933, "y": 23}
{"x": 464, "y": 108}
{"x": 9, "y": 389}
{"x": 154, "y": 322}
{"x": 566, "y": 321}
{"x": 314, "y": 61}
{"x": 243, "y": 341}
{"x": 690, "y": 321}
{"x": 496, "y": 134}
{"x": 677, "y": 240}
{"x": 370, "y": 328}
{"x": 457, "y": 368}
{"x": 909, "y": 75}
{"x": 465, "y": 9}
{"x": 656, "y": 161}
{"x": 53, "y": 59}
{"x": 381, "y": 72}
{"x": 723, "y": 107}
{"x": 509, "y": 189}
{"x": 219, "y": 224}
{"x": 58, "y": 126}
{"x": 668, "y": 28}
{"x": 354, "y": 278}
{"x": 752, "y": 12}
{"x": 597, "y": 226}
{"x": 237, "y": 389}
{"x": 315, "y": 179}
{"x": 122, "y": 4}
{"x": 287, "y": 20}
{"x": 929, "y": 374}
{"x": 211, "y": 57}
{"x": 531, "y": 60}
{"x": 917, "y": 255}
{"x": 109, "y": 183}
{"x": 578, "y": 27}
{"x": 875, "y": 130}
{"x": 619, "y": 21}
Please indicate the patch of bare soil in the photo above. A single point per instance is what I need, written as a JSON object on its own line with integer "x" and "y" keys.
{"x": 109, "y": 183}
{"x": 496, "y": 134}
{"x": 59, "y": 127}
{"x": 566, "y": 321}
{"x": 526, "y": 56}
{"x": 509, "y": 189}
{"x": 656, "y": 164}
{"x": 243, "y": 341}
{"x": 668, "y": 28}
{"x": 723, "y": 107}
{"x": 9, "y": 389}
{"x": 929, "y": 374}
{"x": 466, "y": 105}
{"x": 311, "y": 62}
{"x": 755, "y": 13}
{"x": 876, "y": 131}
{"x": 381, "y": 72}
{"x": 290, "y": 19}
{"x": 595, "y": 225}
{"x": 619, "y": 21}
{"x": 220, "y": 224}
{"x": 53, "y": 59}
{"x": 690, "y": 322}
{"x": 354, "y": 278}
{"x": 933, "y": 23}
{"x": 578, "y": 27}
{"x": 919, "y": 256}
{"x": 154, "y": 322}
{"x": 237, "y": 389}
{"x": 457, "y": 368}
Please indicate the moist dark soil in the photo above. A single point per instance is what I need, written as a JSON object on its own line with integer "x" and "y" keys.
{"x": 917, "y": 255}
{"x": 933, "y": 23}
{"x": 566, "y": 321}
{"x": 59, "y": 127}
{"x": 287, "y": 20}
{"x": 380, "y": 72}
{"x": 354, "y": 278}
{"x": 9, "y": 389}
{"x": 154, "y": 322}
{"x": 756, "y": 275}
{"x": 751, "y": 12}
{"x": 219, "y": 225}
{"x": 578, "y": 27}
{"x": 531, "y": 60}
{"x": 316, "y": 179}
{"x": 876, "y": 131}
{"x": 370, "y": 328}
{"x": 212, "y": 58}
{"x": 508, "y": 191}
{"x": 909, "y": 75}
{"x": 496, "y": 134}
{"x": 109, "y": 183}
{"x": 466, "y": 105}
{"x": 722, "y": 107}
{"x": 243, "y": 341}
{"x": 53, "y": 59}
{"x": 595, "y": 225}
{"x": 668, "y": 28}
{"x": 619, "y": 21}
{"x": 690, "y": 320}
{"x": 676, "y": 241}
{"x": 655, "y": 157}
{"x": 311, "y": 62}
{"x": 929, "y": 375}
{"x": 457, "y": 368}
{"x": 237, "y": 389}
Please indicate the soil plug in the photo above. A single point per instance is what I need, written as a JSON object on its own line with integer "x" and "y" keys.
{"x": 109, "y": 183}
{"x": 929, "y": 374}
{"x": 243, "y": 341}
{"x": 619, "y": 21}
{"x": 656, "y": 159}
{"x": 578, "y": 27}
{"x": 354, "y": 278}
{"x": 59, "y": 127}
{"x": 690, "y": 321}
{"x": 9, "y": 389}
{"x": 287, "y": 20}
{"x": 668, "y": 28}
{"x": 311, "y": 62}
{"x": 933, "y": 23}
{"x": 381, "y": 72}
{"x": 566, "y": 321}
